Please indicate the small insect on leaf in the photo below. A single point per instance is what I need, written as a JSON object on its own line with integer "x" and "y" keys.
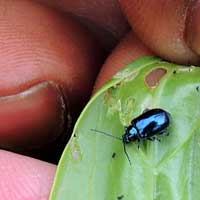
{"x": 120, "y": 197}
{"x": 113, "y": 155}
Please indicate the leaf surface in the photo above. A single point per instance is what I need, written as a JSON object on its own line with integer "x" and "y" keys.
{"x": 94, "y": 166}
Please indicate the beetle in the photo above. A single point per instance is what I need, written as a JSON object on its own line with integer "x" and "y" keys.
{"x": 147, "y": 126}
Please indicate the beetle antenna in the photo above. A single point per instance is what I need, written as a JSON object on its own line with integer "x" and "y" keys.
{"x": 107, "y": 134}
{"x": 126, "y": 153}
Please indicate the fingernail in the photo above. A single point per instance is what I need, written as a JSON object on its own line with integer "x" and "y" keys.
{"x": 192, "y": 33}
{"x": 33, "y": 118}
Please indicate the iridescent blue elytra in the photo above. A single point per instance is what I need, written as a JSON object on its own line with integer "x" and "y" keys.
{"x": 147, "y": 125}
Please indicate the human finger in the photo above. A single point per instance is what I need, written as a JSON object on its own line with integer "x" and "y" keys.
{"x": 102, "y": 17}
{"x": 128, "y": 50}
{"x": 169, "y": 28}
{"x": 24, "y": 178}
{"x": 48, "y": 64}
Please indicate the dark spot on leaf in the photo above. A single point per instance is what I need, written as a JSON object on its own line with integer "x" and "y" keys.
{"x": 118, "y": 84}
{"x": 197, "y": 89}
{"x": 113, "y": 155}
{"x": 174, "y": 72}
{"x": 120, "y": 197}
{"x": 154, "y": 77}
{"x": 74, "y": 135}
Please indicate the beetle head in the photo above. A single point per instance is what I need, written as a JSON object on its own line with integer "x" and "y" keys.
{"x": 131, "y": 134}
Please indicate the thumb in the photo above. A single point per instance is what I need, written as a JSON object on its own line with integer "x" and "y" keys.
{"x": 167, "y": 27}
{"x": 24, "y": 178}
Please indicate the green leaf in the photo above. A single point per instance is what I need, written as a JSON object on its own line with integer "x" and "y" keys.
{"x": 94, "y": 166}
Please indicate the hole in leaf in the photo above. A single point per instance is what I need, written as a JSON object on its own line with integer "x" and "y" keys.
{"x": 154, "y": 77}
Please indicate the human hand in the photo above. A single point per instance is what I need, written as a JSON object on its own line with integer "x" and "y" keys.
{"x": 48, "y": 66}
{"x": 48, "y": 58}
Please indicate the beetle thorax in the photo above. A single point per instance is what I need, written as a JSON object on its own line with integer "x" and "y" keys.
{"x": 130, "y": 135}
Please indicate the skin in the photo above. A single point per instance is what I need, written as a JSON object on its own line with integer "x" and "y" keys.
{"x": 49, "y": 63}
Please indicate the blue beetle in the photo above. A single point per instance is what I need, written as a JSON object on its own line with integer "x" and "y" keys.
{"x": 146, "y": 126}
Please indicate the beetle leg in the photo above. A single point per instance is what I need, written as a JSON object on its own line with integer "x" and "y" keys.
{"x": 154, "y": 138}
{"x": 158, "y": 139}
{"x": 164, "y": 131}
{"x": 151, "y": 138}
